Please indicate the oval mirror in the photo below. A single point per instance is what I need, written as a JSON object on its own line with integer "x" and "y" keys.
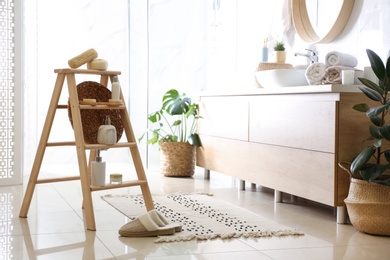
{"x": 316, "y": 34}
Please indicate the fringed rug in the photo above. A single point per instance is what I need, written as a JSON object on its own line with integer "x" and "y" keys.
{"x": 203, "y": 217}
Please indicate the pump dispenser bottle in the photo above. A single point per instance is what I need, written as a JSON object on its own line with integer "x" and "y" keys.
{"x": 115, "y": 88}
{"x": 107, "y": 132}
{"x": 98, "y": 171}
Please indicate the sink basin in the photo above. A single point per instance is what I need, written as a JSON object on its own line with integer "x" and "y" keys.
{"x": 281, "y": 78}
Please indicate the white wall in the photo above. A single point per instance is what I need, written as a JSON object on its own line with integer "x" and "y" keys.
{"x": 183, "y": 44}
{"x": 228, "y": 41}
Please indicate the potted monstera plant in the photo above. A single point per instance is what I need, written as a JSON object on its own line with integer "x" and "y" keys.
{"x": 368, "y": 200}
{"x": 173, "y": 128}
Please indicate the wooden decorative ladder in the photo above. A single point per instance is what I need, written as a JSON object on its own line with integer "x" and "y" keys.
{"x": 81, "y": 146}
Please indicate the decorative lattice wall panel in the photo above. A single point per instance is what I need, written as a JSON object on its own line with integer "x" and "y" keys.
{"x": 7, "y": 91}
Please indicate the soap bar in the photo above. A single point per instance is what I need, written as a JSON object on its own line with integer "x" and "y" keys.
{"x": 97, "y": 64}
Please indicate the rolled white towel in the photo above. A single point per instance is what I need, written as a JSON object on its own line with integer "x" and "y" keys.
{"x": 333, "y": 74}
{"x": 337, "y": 58}
{"x": 315, "y": 73}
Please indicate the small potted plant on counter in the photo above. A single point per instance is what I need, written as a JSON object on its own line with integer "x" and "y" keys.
{"x": 280, "y": 52}
{"x": 174, "y": 130}
{"x": 368, "y": 201}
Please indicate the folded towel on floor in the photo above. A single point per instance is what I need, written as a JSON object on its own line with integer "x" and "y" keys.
{"x": 315, "y": 73}
{"x": 337, "y": 58}
{"x": 333, "y": 74}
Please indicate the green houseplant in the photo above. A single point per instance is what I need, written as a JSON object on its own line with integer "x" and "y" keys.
{"x": 279, "y": 46}
{"x": 280, "y": 52}
{"x": 173, "y": 128}
{"x": 368, "y": 200}
{"x": 374, "y": 160}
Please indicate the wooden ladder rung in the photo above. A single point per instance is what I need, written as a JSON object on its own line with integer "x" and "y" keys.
{"x": 70, "y": 143}
{"x": 94, "y": 146}
{"x": 48, "y": 180}
{"x": 101, "y": 107}
{"x": 105, "y": 146}
{"x": 122, "y": 185}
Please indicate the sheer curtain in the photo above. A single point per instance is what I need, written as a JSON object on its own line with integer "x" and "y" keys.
{"x": 56, "y": 31}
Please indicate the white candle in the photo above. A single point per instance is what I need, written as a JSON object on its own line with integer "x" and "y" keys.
{"x": 347, "y": 77}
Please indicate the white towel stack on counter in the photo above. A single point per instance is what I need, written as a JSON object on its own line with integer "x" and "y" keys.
{"x": 330, "y": 71}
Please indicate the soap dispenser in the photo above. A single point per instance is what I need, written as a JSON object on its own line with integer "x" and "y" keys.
{"x": 107, "y": 132}
{"x": 98, "y": 171}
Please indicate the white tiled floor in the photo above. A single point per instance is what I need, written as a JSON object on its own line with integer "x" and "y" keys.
{"x": 54, "y": 228}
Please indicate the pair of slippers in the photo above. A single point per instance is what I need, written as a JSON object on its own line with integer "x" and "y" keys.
{"x": 150, "y": 224}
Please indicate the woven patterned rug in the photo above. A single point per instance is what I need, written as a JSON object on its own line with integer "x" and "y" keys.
{"x": 203, "y": 217}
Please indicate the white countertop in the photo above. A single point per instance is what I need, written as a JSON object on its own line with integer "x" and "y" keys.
{"x": 337, "y": 88}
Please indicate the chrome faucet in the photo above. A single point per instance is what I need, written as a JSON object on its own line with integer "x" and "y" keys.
{"x": 313, "y": 56}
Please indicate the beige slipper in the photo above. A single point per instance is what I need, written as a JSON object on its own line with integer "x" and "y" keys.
{"x": 162, "y": 222}
{"x": 144, "y": 226}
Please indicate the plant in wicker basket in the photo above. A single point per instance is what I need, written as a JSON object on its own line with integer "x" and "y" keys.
{"x": 374, "y": 160}
{"x": 174, "y": 129}
{"x": 368, "y": 200}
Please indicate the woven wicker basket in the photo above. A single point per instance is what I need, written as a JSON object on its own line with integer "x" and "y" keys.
{"x": 91, "y": 119}
{"x": 177, "y": 159}
{"x": 368, "y": 206}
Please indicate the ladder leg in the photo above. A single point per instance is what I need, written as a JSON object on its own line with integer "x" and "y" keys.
{"x": 81, "y": 156}
{"x": 137, "y": 159}
{"x": 42, "y": 145}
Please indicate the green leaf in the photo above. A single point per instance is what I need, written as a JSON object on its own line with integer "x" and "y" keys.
{"x": 177, "y": 122}
{"x": 385, "y": 132}
{"x": 155, "y": 117}
{"x": 376, "y": 121}
{"x": 370, "y": 171}
{"x": 374, "y": 131}
{"x": 370, "y": 93}
{"x": 385, "y": 182}
{"x": 387, "y": 155}
{"x": 179, "y": 106}
{"x": 192, "y": 110}
{"x": 362, "y": 158}
{"x": 194, "y": 139}
{"x": 376, "y": 64}
{"x": 363, "y": 107}
{"x": 154, "y": 138}
{"x": 374, "y": 111}
{"x": 368, "y": 83}
{"x": 141, "y": 137}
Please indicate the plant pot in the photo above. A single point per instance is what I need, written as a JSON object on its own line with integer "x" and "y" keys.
{"x": 177, "y": 159}
{"x": 368, "y": 206}
{"x": 280, "y": 56}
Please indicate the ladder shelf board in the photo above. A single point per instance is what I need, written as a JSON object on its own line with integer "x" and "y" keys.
{"x": 103, "y": 106}
{"x": 95, "y": 146}
{"x": 107, "y": 146}
{"x": 87, "y": 71}
{"x": 122, "y": 185}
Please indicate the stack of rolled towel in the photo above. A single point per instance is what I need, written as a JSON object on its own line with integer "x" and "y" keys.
{"x": 330, "y": 71}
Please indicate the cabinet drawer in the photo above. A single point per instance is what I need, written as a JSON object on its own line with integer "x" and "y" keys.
{"x": 224, "y": 117}
{"x": 306, "y": 124}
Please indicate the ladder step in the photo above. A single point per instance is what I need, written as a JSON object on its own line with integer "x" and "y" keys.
{"x": 106, "y": 146}
{"x": 95, "y": 146}
{"x": 49, "y": 180}
{"x": 102, "y": 107}
{"x": 122, "y": 185}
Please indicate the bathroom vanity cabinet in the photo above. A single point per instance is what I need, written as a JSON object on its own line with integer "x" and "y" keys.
{"x": 286, "y": 139}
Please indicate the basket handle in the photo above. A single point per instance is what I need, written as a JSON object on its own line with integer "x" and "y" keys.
{"x": 346, "y": 166}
